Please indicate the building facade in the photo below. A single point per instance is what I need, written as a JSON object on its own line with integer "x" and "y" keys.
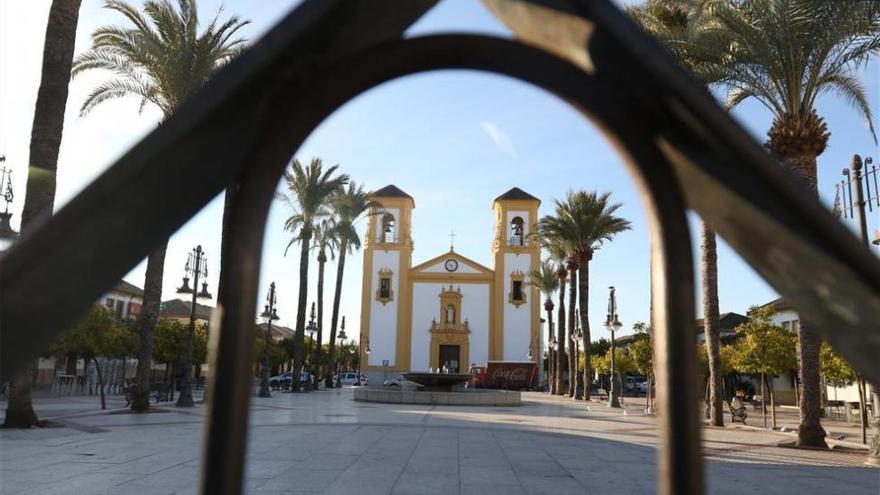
{"x": 449, "y": 310}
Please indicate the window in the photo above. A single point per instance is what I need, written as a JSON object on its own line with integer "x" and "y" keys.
{"x": 388, "y": 228}
{"x": 517, "y": 294}
{"x": 517, "y": 290}
{"x": 384, "y": 294}
{"x": 120, "y": 307}
{"x": 517, "y": 232}
{"x": 110, "y": 303}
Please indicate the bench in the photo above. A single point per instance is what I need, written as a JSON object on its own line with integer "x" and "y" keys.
{"x": 737, "y": 415}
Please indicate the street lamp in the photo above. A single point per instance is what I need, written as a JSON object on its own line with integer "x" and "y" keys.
{"x": 341, "y": 338}
{"x": 366, "y": 351}
{"x": 196, "y": 265}
{"x": 270, "y": 312}
{"x": 612, "y": 324}
{"x": 7, "y": 235}
{"x": 312, "y": 327}
{"x": 577, "y": 335}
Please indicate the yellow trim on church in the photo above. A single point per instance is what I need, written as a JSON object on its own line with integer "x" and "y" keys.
{"x": 407, "y": 276}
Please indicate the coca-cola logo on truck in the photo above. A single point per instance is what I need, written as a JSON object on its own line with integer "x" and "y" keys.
{"x": 512, "y": 374}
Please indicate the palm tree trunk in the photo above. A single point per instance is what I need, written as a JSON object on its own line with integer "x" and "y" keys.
{"x": 709, "y": 265}
{"x": 146, "y": 326}
{"x": 810, "y": 431}
{"x": 551, "y": 369}
{"x": 49, "y": 111}
{"x": 322, "y": 260}
{"x": 46, "y": 132}
{"x": 334, "y": 317}
{"x": 560, "y": 337}
{"x": 584, "y": 303}
{"x": 300, "y": 335}
{"x": 572, "y": 323}
{"x": 100, "y": 382}
{"x": 20, "y": 410}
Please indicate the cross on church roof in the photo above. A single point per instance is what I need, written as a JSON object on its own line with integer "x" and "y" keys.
{"x": 452, "y": 240}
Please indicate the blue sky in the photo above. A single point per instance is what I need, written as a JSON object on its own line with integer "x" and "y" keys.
{"x": 452, "y": 139}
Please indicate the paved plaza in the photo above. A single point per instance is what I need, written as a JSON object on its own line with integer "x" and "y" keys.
{"x": 324, "y": 442}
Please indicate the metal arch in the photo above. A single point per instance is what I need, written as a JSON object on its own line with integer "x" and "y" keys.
{"x": 778, "y": 227}
{"x": 680, "y": 464}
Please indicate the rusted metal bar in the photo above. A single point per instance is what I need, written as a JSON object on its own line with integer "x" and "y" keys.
{"x": 190, "y": 159}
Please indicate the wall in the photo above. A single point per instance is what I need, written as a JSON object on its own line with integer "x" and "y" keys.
{"x": 475, "y": 306}
{"x": 383, "y": 317}
{"x": 517, "y": 320}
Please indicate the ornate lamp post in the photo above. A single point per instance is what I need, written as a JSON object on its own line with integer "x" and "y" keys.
{"x": 612, "y": 324}
{"x": 196, "y": 265}
{"x": 861, "y": 177}
{"x": 365, "y": 346}
{"x": 270, "y": 312}
{"x": 311, "y": 327}
{"x": 341, "y": 338}
{"x": 7, "y": 235}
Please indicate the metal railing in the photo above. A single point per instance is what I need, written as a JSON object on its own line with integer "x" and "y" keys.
{"x": 244, "y": 126}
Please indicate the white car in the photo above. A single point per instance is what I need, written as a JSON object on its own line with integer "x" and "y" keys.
{"x": 351, "y": 378}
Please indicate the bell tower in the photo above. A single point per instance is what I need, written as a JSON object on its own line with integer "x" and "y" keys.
{"x": 517, "y": 308}
{"x": 387, "y": 260}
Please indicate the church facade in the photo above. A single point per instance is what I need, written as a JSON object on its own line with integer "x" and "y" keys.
{"x": 449, "y": 310}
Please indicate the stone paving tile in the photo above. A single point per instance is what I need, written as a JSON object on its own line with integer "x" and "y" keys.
{"x": 425, "y": 484}
{"x": 326, "y": 443}
{"x": 300, "y": 480}
{"x": 85, "y": 483}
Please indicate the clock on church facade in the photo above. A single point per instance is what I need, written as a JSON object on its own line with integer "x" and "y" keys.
{"x": 448, "y": 310}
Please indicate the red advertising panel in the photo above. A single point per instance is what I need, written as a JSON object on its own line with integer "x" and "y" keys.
{"x": 510, "y": 375}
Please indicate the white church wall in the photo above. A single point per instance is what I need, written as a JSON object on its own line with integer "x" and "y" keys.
{"x": 426, "y": 306}
{"x": 517, "y": 320}
{"x": 383, "y": 317}
{"x": 440, "y": 267}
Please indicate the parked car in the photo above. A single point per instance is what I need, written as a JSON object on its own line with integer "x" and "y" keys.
{"x": 392, "y": 382}
{"x": 284, "y": 381}
{"x": 351, "y": 378}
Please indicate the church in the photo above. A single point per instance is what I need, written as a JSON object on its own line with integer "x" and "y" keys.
{"x": 449, "y": 310}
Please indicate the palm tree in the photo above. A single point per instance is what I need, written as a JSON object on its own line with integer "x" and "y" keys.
{"x": 163, "y": 60}
{"x": 45, "y": 142}
{"x": 669, "y": 22}
{"x": 324, "y": 240}
{"x": 785, "y": 54}
{"x": 309, "y": 192}
{"x": 545, "y": 280}
{"x": 348, "y": 206}
{"x": 584, "y": 221}
{"x": 557, "y": 251}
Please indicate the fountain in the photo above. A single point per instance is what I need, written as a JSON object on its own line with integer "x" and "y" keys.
{"x": 438, "y": 382}
{"x": 438, "y": 389}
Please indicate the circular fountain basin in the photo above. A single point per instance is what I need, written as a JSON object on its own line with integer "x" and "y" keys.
{"x": 441, "y": 382}
{"x": 438, "y": 389}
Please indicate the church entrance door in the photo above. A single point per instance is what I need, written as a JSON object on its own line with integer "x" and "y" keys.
{"x": 450, "y": 356}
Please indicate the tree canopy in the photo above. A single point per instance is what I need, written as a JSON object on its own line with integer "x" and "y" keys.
{"x": 763, "y": 347}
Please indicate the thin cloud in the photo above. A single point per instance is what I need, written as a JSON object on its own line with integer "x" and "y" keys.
{"x": 502, "y": 142}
